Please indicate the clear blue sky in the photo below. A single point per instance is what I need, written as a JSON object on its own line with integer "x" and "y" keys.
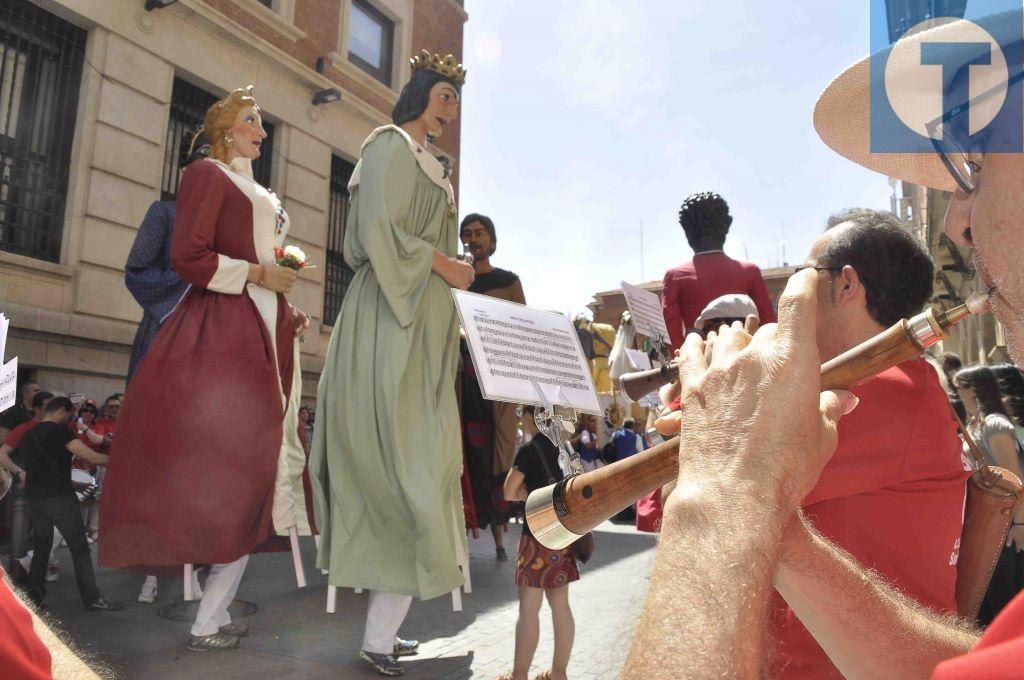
{"x": 582, "y": 118}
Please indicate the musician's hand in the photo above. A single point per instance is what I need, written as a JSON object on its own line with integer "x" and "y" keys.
{"x": 754, "y": 415}
{"x": 1015, "y": 538}
{"x": 668, "y": 424}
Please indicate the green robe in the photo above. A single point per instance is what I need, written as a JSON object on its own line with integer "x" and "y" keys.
{"x": 386, "y": 455}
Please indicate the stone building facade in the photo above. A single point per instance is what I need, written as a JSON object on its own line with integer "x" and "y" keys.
{"x": 130, "y": 83}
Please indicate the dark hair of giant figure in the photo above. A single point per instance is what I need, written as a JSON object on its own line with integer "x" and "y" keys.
{"x": 705, "y": 219}
{"x": 412, "y": 102}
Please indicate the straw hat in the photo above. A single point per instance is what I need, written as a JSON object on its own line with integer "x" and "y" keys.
{"x": 842, "y": 115}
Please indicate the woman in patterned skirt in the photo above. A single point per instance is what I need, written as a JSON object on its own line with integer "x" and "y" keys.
{"x": 540, "y": 571}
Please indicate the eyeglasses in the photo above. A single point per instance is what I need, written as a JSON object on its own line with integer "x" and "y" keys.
{"x": 963, "y": 157}
{"x": 817, "y": 268}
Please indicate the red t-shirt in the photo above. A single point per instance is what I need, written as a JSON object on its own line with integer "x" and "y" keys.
{"x": 892, "y": 496}
{"x": 999, "y": 655}
{"x": 103, "y": 427}
{"x": 22, "y": 654}
{"x": 17, "y": 434}
{"x": 689, "y": 288}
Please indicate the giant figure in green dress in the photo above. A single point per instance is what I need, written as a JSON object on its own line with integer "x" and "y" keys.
{"x": 386, "y": 455}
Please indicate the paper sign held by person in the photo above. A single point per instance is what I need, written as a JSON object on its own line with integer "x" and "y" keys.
{"x": 513, "y": 346}
{"x": 645, "y": 307}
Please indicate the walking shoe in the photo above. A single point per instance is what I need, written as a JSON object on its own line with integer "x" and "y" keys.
{"x": 236, "y": 629}
{"x": 148, "y": 592}
{"x": 385, "y": 664}
{"x": 501, "y": 555}
{"x": 406, "y": 647}
{"x": 212, "y": 643}
{"x": 104, "y": 605}
{"x": 52, "y": 573}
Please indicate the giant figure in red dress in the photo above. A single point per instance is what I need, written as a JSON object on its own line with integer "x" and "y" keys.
{"x": 207, "y": 405}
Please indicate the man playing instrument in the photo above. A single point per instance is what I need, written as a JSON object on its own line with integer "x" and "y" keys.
{"x": 756, "y": 434}
{"x": 893, "y": 492}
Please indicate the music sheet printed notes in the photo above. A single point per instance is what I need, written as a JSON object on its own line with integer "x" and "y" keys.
{"x": 513, "y": 344}
{"x": 645, "y": 307}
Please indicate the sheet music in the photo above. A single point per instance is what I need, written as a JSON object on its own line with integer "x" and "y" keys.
{"x": 645, "y": 307}
{"x": 512, "y": 344}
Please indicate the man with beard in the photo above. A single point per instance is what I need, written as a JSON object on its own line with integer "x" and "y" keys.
{"x": 755, "y": 434}
{"x": 488, "y": 427}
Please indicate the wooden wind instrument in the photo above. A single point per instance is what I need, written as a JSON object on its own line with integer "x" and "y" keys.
{"x": 563, "y": 512}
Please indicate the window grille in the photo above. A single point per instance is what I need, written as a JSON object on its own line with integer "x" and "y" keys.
{"x": 41, "y": 58}
{"x": 188, "y": 109}
{"x": 338, "y": 274}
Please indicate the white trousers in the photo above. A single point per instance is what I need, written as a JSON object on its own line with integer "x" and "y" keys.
{"x": 221, "y": 586}
{"x": 384, "y": 615}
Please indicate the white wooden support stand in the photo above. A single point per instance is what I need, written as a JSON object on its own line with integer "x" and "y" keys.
{"x": 332, "y": 599}
{"x": 189, "y": 595}
{"x": 300, "y": 574}
{"x": 467, "y": 587}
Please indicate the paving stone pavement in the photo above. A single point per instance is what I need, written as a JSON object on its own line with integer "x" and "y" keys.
{"x": 293, "y": 636}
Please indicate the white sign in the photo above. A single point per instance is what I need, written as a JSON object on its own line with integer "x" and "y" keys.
{"x": 642, "y": 362}
{"x": 513, "y": 345}
{"x": 9, "y": 384}
{"x": 645, "y": 307}
{"x": 638, "y": 360}
{"x": 4, "y": 324}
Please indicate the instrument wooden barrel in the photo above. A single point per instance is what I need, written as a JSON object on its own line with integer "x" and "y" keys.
{"x": 561, "y": 513}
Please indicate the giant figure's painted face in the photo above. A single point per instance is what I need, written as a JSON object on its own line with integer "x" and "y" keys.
{"x": 442, "y": 108}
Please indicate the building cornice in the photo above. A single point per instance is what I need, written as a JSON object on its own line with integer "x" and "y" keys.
{"x": 223, "y": 27}
{"x": 459, "y": 9}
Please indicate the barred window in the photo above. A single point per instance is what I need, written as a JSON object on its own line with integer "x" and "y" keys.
{"x": 188, "y": 109}
{"x": 338, "y": 274}
{"x": 40, "y": 75}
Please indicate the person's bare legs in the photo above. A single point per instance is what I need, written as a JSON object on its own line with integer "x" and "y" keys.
{"x": 527, "y": 630}
{"x": 565, "y": 630}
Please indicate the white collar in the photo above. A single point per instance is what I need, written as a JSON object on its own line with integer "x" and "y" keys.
{"x": 240, "y": 166}
{"x": 708, "y": 252}
{"x": 430, "y": 166}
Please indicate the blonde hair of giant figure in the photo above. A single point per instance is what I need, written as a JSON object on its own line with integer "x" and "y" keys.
{"x": 220, "y": 117}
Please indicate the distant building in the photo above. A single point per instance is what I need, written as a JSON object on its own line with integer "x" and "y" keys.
{"x": 95, "y": 99}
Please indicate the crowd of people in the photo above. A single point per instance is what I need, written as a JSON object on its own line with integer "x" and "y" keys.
{"x": 806, "y": 531}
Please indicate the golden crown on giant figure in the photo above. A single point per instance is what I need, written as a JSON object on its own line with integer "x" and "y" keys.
{"x": 447, "y": 65}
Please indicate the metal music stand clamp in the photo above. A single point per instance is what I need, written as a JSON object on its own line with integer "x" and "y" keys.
{"x": 557, "y": 423}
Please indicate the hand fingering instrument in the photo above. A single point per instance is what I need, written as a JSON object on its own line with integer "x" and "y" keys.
{"x": 561, "y": 513}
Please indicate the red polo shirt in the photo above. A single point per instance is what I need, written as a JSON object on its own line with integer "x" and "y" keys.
{"x": 999, "y": 655}
{"x": 689, "y": 288}
{"x": 892, "y": 496}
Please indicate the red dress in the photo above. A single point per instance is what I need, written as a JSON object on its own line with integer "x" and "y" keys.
{"x": 191, "y": 480}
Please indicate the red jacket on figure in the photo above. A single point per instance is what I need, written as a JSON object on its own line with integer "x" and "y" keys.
{"x": 689, "y": 287}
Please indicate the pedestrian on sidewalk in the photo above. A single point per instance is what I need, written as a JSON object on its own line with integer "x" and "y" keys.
{"x": 47, "y": 451}
{"x": 540, "y": 572}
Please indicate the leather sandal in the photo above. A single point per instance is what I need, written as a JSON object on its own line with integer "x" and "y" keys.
{"x": 212, "y": 643}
